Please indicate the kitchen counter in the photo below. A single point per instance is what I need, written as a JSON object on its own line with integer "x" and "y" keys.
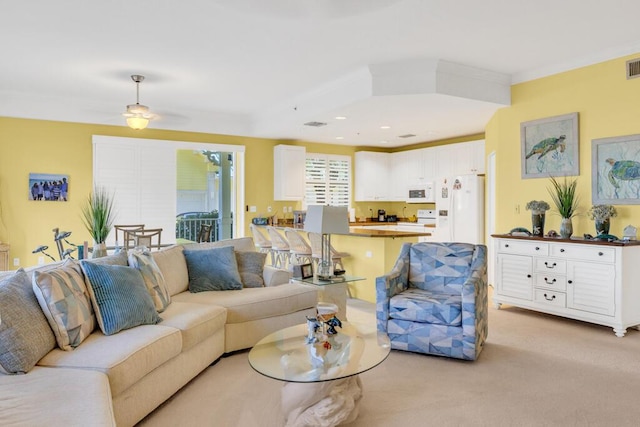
{"x": 370, "y": 232}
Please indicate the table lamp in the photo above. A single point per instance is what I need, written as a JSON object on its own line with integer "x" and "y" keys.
{"x": 326, "y": 220}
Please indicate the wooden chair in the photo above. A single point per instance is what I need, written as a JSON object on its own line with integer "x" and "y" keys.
{"x": 126, "y": 241}
{"x": 144, "y": 237}
{"x": 204, "y": 235}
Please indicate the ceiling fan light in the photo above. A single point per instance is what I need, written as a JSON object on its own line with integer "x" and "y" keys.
{"x": 137, "y": 109}
{"x": 137, "y": 122}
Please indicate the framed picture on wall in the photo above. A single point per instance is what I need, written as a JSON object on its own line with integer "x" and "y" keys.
{"x": 48, "y": 187}
{"x": 615, "y": 170}
{"x": 549, "y": 147}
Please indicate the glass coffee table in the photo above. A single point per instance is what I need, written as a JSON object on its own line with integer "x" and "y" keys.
{"x": 322, "y": 386}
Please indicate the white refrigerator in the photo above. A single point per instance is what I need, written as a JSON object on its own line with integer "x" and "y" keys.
{"x": 460, "y": 209}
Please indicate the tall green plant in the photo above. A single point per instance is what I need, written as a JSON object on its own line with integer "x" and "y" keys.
{"x": 564, "y": 196}
{"x": 98, "y": 214}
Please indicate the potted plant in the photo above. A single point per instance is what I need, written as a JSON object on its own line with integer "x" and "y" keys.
{"x": 98, "y": 216}
{"x": 602, "y": 215}
{"x": 538, "y": 210}
{"x": 565, "y": 198}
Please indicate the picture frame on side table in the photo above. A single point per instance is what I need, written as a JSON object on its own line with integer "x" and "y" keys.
{"x": 303, "y": 271}
{"x": 615, "y": 170}
{"x": 550, "y": 147}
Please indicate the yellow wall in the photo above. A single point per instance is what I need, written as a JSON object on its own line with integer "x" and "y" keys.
{"x": 608, "y": 106}
{"x": 192, "y": 170}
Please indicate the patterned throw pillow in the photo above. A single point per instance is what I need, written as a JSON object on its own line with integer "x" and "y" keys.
{"x": 213, "y": 269}
{"x": 64, "y": 299}
{"x": 119, "y": 297}
{"x": 25, "y": 335}
{"x": 153, "y": 278}
{"x": 250, "y": 267}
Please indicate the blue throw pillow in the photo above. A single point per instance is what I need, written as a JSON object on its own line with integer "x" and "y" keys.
{"x": 214, "y": 269}
{"x": 119, "y": 297}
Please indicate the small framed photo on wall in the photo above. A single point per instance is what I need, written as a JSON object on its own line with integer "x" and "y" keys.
{"x": 549, "y": 147}
{"x": 48, "y": 187}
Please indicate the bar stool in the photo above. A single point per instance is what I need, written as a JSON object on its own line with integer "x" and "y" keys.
{"x": 262, "y": 242}
{"x": 299, "y": 249}
{"x": 280, "y": 247}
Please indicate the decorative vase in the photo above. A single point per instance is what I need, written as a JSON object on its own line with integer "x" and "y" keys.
{"x": 602, "y": 226}
{"x": 99, "y": 250}
{"x": 566, "y": 228}
{"x": 537, "y": 223}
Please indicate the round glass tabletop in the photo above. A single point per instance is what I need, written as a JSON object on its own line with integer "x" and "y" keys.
{"x": 285, "y": 355}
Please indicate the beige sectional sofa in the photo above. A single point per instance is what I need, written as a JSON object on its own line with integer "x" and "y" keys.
{"x": 118, "y": 379}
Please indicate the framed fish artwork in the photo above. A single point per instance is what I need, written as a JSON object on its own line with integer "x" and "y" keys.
{"x": 615, "y": 170}
{"x": 550, "y": 147}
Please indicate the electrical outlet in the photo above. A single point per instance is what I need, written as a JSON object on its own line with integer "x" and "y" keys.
{"x": 368, "y": 254}
{"x": 16, "y": 262}
{"x": 268, "y": 208}
{"x": 40, "y": 260}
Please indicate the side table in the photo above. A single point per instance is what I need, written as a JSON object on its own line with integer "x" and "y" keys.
{"x": 333, "y": 290}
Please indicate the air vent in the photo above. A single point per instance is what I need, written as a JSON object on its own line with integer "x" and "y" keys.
{"x": 633, "y": 68}
{"x": 408, "y": 135}
{"x": 315, "y": 124}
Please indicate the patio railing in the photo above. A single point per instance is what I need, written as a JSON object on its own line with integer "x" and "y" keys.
{"x": 188, "y": 228}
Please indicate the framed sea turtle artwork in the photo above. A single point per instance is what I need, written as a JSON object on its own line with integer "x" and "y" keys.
{"x": 615, "y": 170}
{"x": 549, "y": 147}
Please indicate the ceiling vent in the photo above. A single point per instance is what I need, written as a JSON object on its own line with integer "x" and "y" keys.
{"x": 407, "y": 135}
{"x": 633, "y": 68}
{"x": 315, "y": 124}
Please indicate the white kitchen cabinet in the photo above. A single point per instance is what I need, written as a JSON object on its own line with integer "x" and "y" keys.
{"x": 289, "y": 172}
{"x": 371, "y": 176}
{"x": 399, "y": 175}
{"x": 459, "y": 159}
{"x": 578, "y": 279}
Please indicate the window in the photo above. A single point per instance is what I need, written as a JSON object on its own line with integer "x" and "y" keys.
{"x": 327, "y": 180}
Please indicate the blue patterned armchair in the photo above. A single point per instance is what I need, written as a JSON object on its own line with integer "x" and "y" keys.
{"x": 434, "y": 300}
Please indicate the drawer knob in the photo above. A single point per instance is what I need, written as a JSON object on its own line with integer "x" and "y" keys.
{"x": 550, "y": 282}
{"x": 537, "y": 248}
{"x": 549, "y": 299}
{"x": 561, "y": 250}
{"x": 569, "y": 281}
{"x": 529, "y": 276}
{"x": 506, "y": 246}
{"x": 600, "y": 253}
{"x": 546, "y": 264}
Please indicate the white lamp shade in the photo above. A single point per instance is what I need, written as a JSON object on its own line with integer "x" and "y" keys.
{"x": 327, "y": 219}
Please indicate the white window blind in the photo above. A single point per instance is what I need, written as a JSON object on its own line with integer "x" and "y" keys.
{"x": 327, "y": 179}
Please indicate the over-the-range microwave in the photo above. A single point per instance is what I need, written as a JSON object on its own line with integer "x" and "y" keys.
{"x": 421, "y": 193}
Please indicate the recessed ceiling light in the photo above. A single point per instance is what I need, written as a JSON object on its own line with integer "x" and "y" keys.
{"x": 341, "y": 118}
{"x": 339, "y": 137}
{"x": 385, "y": 127}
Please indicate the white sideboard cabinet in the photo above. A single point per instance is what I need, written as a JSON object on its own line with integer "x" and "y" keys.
{"x": 597, "y": 282}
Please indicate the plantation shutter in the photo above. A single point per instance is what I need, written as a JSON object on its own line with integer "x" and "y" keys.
{"x": 327, "y": 180}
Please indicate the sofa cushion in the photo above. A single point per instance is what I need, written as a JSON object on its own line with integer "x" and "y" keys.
{"x": 173, "y": 267}
{"x": 119, "y": 297}
{"x": 119, "y": 258}
{"x": 56, "y": 397}
{"x": 251, "y": 268}
{"x": 125, "y": 357}
{"x": 64, "y": 300}
{"x": 257, "y": 303}
{"x": 153, "y": 278}
{"x": 214, "y": 269}
{"x": 418, "y": 305}
{"x": 196, "y": 322}
{"x": 25, "y": 335}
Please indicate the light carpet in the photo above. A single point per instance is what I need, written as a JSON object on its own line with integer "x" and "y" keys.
{"x": 535, "y": 370}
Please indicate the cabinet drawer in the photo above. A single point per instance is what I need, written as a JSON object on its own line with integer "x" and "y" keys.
{"x": 551, "y": 281}
{"x": 551, "y": 265}
{"x": 556, "y": 299}
{"x": 584, "y": 252}
{"x": 524, "y": 248}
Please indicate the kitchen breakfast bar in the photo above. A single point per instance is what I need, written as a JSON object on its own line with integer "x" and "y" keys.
{"x": 373, "y": 253}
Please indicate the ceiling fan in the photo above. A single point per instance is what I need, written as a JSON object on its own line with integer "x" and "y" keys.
{"x": 138, "y": 115}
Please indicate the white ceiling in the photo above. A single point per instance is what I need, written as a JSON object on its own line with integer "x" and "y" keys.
{"x": 264, "y": 67}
